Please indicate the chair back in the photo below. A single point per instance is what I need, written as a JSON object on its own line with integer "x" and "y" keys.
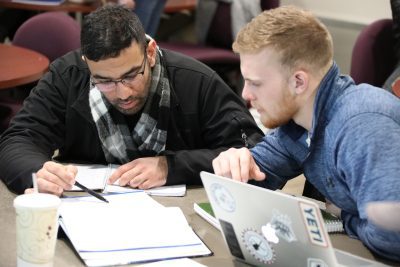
{"x": 373, "y": 57}
{"x": 215, "y": 47}
{"x": 52, "y": 34}
{"x": 220, "y": 31}
{"x": 269, "y": 4}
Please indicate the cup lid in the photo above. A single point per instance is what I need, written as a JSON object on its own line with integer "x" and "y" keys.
{"x": 37, "y": 201}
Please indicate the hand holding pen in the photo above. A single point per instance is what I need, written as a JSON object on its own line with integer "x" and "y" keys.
{"x": 54, "y": 178}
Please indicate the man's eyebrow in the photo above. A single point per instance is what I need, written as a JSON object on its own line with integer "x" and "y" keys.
{"x": 135, "y": 68}
{"x": 251, "y": 79}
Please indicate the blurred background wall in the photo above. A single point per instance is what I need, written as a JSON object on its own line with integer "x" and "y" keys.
{"x": 345, "y": 19}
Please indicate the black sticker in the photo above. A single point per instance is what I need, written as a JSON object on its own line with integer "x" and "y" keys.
{"x": 231, "y": 239}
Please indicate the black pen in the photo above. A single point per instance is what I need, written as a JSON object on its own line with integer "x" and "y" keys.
{"x": 90, "y": 191}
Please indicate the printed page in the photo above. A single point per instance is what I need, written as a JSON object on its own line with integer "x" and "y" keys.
{"x": 185, "y": 262}
{"x": 165, "y": 191}
{"x": 93, "y": 176}
{"x": 131, "y": 228}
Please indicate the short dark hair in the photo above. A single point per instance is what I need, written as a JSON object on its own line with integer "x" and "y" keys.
{"x": 108, "y": 30}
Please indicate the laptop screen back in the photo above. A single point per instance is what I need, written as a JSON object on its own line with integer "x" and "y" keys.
{"x": 268, "y": 228}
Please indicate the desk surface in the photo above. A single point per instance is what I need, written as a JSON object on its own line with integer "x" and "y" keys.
{"x": 171, "y": 6}
{"x": 20, "y": 66}
{"x": 65, "y": 256}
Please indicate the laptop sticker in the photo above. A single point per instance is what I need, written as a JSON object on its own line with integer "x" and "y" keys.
{"x": 311, "y": 262}
{"x": 231, "y": 239}
{"x": 269, "y": 233}
{"x": 223, "y": 197}
{"x": 258, "y": 246}
{"x": 280, "y": 226}
{"x": 313, "y": 224}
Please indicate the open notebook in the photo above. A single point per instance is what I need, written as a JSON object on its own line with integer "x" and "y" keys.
{"x": 131, "y": 228}
{"x": 95, "y": 177}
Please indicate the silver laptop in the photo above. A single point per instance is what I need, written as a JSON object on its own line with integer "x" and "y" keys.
{"x": 270, "y": 228}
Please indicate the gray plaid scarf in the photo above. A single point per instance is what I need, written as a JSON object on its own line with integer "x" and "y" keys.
{"x": 149, "y": 136}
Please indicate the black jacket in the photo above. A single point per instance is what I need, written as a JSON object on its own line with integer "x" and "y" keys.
{"x": 206, "y": 118}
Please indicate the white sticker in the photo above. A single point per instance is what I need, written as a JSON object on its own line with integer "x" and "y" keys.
{"x": 223, "y": 197}
{"x": 311, "y": 262}
{"x": 282, "y": 224}
{"x": 313, "y": 224}
{"x": 270, "y": 233}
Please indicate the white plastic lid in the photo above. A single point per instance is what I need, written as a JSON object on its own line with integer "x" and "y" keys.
{"x": 37, "y": 201}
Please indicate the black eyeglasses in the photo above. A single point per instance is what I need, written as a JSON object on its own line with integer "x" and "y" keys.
{"x": 129, "y": 80}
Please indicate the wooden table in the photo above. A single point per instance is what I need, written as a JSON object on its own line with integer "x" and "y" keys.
{"x": 171, "y": 6}
{"x": 65, "y": 255}
{"x": 20, "y": 66}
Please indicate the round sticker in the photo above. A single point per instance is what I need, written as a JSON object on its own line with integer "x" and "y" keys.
{"x": 223, "y": 197}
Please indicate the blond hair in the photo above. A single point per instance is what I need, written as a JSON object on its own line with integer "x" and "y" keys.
{"x": 296, "y": 35}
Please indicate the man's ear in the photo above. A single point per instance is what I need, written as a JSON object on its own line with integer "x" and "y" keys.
{"x": 151, "y": 52}
{"x": 299, "y": 82}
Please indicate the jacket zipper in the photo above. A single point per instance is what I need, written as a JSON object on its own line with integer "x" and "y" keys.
{"x": 244, "y": 138}
{"x": 243, "y": 133}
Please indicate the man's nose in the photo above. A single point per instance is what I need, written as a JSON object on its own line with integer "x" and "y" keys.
{"x": 123, "y": 91}
{"x": 246, "y": 94}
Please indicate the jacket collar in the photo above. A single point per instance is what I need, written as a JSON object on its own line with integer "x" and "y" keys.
{"x": 331, "y": 87}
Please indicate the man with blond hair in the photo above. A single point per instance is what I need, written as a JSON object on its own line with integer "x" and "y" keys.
{"x": 345, "y": 138}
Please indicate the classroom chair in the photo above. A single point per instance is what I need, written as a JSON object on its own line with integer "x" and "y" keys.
{"x": 373, "y": 53}
{"x": 52, "y": 34}
{"x": 217, "y": 52}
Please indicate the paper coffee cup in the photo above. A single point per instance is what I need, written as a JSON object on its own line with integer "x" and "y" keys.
{"x": 36, "y": 227}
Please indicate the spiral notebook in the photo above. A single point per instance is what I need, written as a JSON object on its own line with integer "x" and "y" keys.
{"x": 332, "y": 223}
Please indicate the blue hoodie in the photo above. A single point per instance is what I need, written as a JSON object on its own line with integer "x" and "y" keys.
{"x": 351, "y": 155}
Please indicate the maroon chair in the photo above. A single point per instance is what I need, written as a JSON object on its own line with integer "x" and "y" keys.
{"x": 217, "y": 51}
{"x": 52, "y": 34}
{"x": 373, "y": 53}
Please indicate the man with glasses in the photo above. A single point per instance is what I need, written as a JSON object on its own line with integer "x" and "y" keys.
{"x": 120, "y": 99}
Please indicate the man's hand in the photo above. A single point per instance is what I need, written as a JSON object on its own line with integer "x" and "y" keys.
{"x": 54, "y": 178}
{"x": 237, "y": 164}
{"x": 143, "y": 173}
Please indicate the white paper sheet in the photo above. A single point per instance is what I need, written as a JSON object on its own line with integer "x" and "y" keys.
{"x": 185, "y": 262}
{"x": 132, "y": 227}
{"x": 164, "y": 191}
{"x": 93, "y": 176}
